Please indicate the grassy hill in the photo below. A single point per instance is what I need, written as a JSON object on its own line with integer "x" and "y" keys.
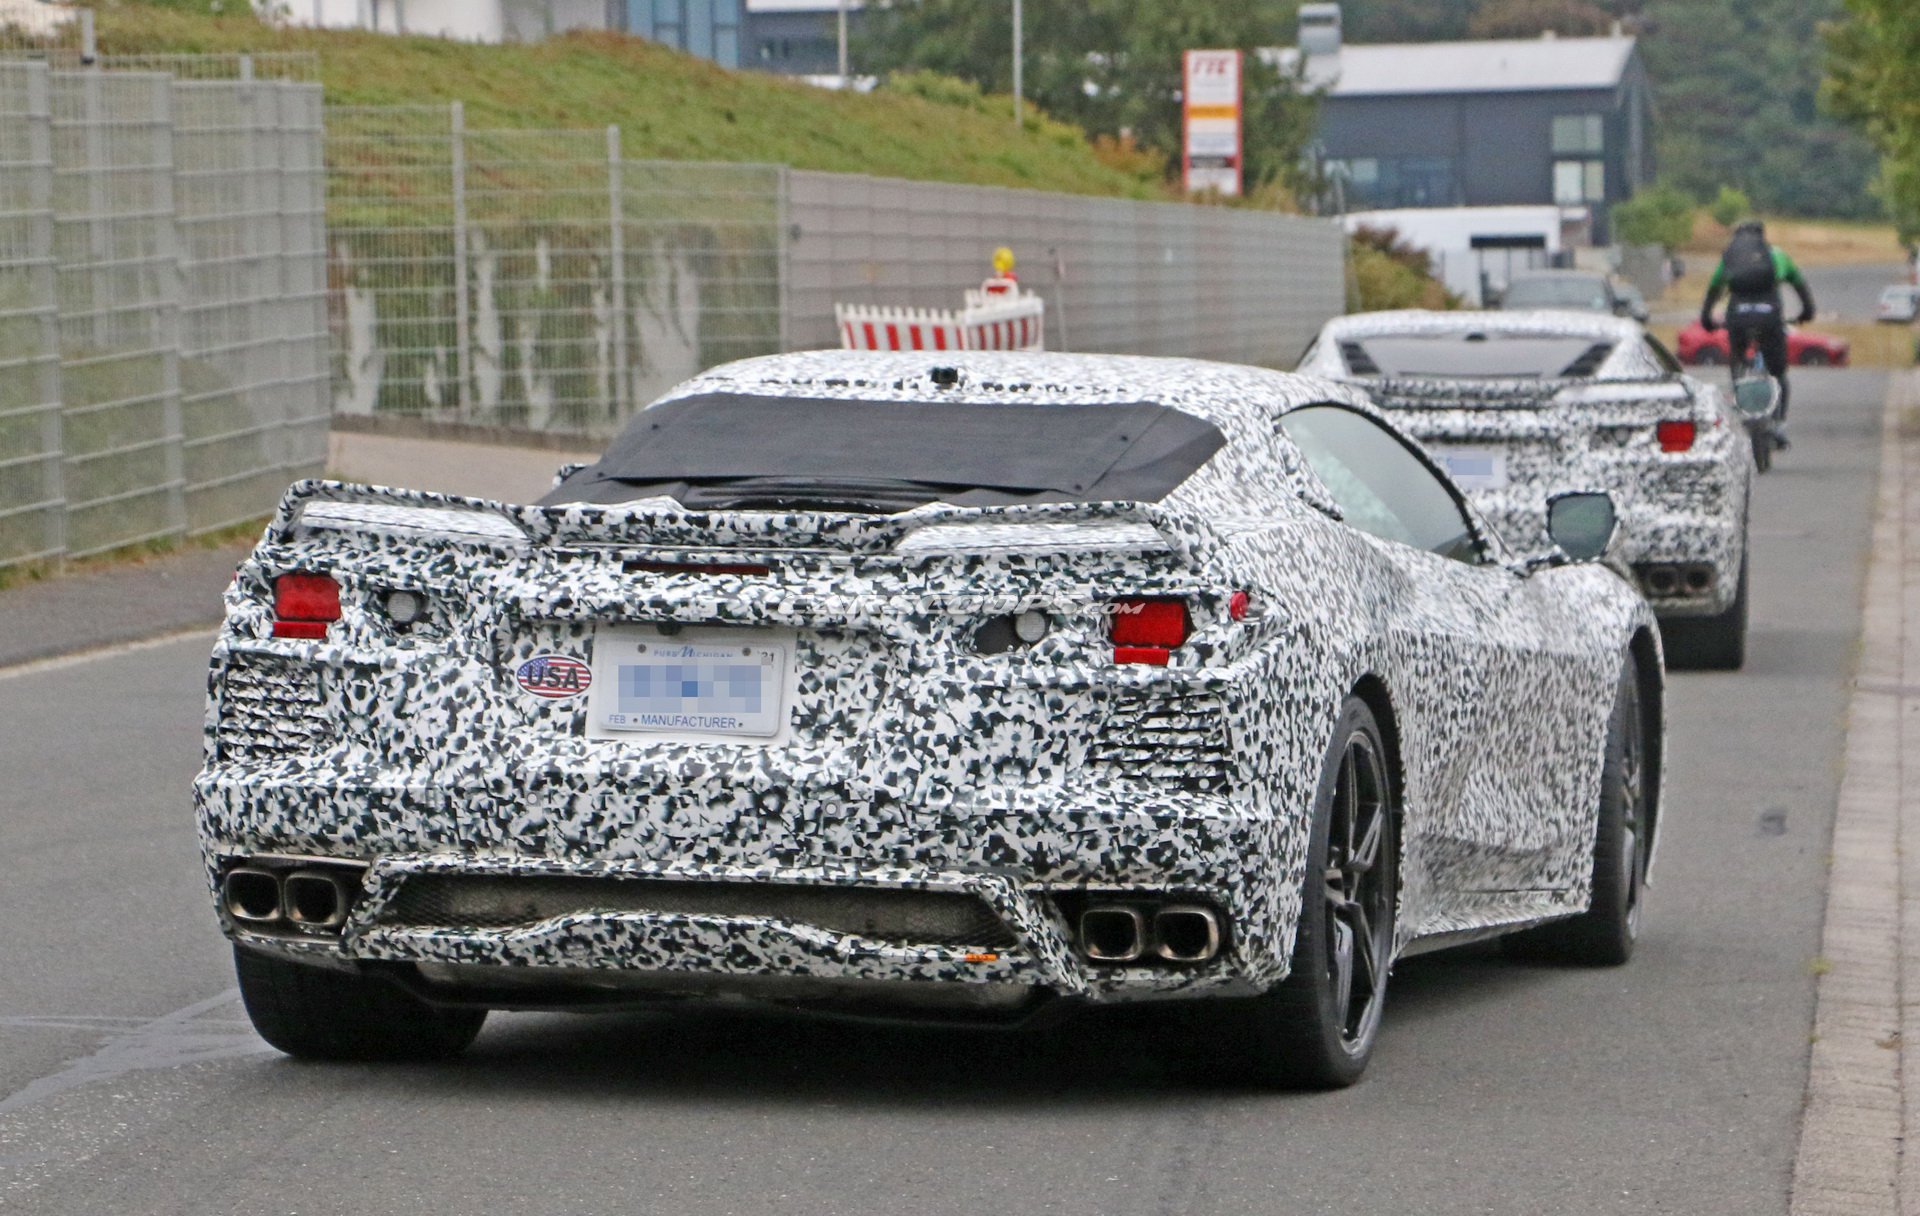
{"x": 669, "y": 105}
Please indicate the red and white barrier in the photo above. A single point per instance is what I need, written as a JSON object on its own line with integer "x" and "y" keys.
{"x": 988, "y": 322}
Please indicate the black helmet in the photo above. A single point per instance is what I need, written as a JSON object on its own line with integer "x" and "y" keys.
{"x": 1754, "y": 226}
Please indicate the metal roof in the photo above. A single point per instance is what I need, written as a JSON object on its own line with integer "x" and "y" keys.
{"x": 825, "y": 8}
{"x": 1506, "y": 66}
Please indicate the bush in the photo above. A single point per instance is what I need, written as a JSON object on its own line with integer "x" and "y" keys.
{"x": 1659, "y": 215}
{"x": 1390, "y": 273}
{"x": 1730, "y": 206}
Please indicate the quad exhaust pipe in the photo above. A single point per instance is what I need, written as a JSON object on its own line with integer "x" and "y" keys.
{"x": 314, "y": 898}
{"x": 1665, "y": 580}
{"x": 1176, "y": 933}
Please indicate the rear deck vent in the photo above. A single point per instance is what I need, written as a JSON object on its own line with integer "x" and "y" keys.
{"x": 907, "y": 917}
{"x": 1359, "y": 362}
{"x": 1589, "y": 361}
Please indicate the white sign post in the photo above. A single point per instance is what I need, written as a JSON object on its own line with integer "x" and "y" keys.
{"x": 1211, "y": 119}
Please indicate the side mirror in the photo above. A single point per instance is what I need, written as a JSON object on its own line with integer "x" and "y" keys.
{"x": 1582, "y": 524}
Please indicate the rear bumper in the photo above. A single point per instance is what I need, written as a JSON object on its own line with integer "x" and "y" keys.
{"x": 1686, "y": 556}
{"x": 1017, "y": 861}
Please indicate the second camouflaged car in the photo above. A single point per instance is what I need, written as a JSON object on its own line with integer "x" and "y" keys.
{"x": 937, "y": 685}
{"x": 1521, "y": 405}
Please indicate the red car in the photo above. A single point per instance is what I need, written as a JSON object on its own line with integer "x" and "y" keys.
{"x": 1804, "y": 347}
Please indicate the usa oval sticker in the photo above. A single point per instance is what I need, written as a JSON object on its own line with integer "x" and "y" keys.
{"x": 554, "y": 676}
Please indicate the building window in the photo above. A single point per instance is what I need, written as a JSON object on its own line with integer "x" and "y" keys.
{"x": 1361, "y": 171}
{"x": 1579, "y": 182}
{"x": 1579, "y": 134}
{"x": 1405, "y": 181}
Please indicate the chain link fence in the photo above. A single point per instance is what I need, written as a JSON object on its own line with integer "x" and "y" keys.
{"x": 539, "y": 280}
{"x": 163, "y": 366}
{"x": 536, "y": 279}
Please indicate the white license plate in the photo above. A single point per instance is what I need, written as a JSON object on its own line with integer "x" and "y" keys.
{"x": 697, "y": 684}
{"x": 1474, "y": 468}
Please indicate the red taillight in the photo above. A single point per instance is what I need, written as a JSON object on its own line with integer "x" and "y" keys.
{"x": 1676, "y": 435}
{"x": 304, "y": 605}
{"x": 1143, "y": 631}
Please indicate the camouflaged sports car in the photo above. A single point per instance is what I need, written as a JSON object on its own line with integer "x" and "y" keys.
{"x": 1520, "y": 406}
{"x": 951, "y": 686}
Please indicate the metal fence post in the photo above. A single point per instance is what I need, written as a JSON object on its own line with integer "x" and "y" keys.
{"x": 43, "y": 248}
{"x": 617, "y": 251}
{"x": 462, "y": 328}
{"x": 783, "y": 256}
{"x": 174, "y": 276}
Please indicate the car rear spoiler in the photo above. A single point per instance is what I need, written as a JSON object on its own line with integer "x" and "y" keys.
{"x": 1465, "y": 394}
{"x": 662, "y": 524}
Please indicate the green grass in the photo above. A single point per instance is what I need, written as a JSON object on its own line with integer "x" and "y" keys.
{"x": 668, "y": 105}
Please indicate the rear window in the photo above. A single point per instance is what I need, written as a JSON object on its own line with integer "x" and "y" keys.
{"x": 1475, "y": 355}
{"x": 1581, "y": 293}
{"x": 742, "y": 451}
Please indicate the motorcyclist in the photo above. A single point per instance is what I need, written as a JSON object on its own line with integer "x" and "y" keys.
{"x": 1750, "y": 274}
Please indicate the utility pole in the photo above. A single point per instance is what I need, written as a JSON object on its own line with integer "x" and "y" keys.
{"x": 843, "y": 43}
{"x": 1017, "y": 56}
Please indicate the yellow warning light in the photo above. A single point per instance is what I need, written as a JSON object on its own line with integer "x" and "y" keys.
{"x": 1003, "y": 261}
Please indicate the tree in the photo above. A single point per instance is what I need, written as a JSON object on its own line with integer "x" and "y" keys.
{"x": 1737, "y": 86}
{"x": 1111, "y": 66}
{"x": 1729, "y": 206}
{"x": 1658, "y": 215}
{"x": 1406, "y": 20}
{"x": 1874, "y": 80}
{"x": 1531, "y": 18}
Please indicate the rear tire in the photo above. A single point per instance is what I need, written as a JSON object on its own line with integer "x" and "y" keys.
{"x": 1604, "y": 935}
{"x": 1316, "y": 1030}
{"x": 1814, "y": 358}
{"x": 1710, "y": 643}
{"x": 1708, "y": 356}
{"x": 316, "y": 1013}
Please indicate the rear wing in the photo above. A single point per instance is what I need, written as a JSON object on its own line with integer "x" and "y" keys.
{"x": 659, "y": 523}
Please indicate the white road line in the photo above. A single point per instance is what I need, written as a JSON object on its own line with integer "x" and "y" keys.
{"x": 172, "y": 1041}
{"x": 41, "y": 666}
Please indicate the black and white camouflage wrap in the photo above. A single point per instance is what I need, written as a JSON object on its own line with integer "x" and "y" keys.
{"x": 1592, "y": 433}
{"x": 912, "y": 761}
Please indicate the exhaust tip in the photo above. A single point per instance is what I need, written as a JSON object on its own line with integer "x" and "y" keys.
{"x": 1186, "y": 933}
{"x": 315, "y": 900}
{"x": 252, "y": 896}
{"x": 1663, "y": 580}
{"x": 1113, "y": 935}
{"x": 1699, "y": 578}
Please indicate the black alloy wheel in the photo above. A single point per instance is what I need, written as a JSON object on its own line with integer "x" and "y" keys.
{"x": 1604, "y": 935}
{"x": 1318, "y": 1028}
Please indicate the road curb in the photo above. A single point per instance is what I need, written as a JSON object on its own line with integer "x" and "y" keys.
{"x": 1849, "y": 1161}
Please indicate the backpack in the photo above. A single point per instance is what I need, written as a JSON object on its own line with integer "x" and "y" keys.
{"x": 1748, "y": 263}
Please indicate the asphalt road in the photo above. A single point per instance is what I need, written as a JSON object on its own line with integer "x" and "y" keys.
{"x": 130, "y": 1083}
{"x": 1849, "y": 293}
